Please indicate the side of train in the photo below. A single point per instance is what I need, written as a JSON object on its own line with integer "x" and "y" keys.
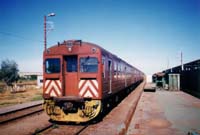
{"x": 80, "y": 77}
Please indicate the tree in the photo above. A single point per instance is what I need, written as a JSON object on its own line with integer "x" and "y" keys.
{"x": 9, "y": 72}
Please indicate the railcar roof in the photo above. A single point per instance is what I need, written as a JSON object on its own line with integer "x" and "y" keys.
{"x": 91, "y": 44}
{"x": 82, "y": 43}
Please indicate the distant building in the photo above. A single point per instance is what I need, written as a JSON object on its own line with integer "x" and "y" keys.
{"x": 28, "y": 75}
{"x": 39, "y": 81}
{"x": 159, "y": 79}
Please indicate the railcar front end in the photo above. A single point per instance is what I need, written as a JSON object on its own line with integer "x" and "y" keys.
{"x": 72, "y": 82}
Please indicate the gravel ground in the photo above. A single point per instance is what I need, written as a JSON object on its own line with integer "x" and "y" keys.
{"x": 26, "y": 125}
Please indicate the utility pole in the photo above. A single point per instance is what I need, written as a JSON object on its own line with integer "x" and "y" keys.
{"x": 182, "y": 68}
{"x": 45, "y": 29}
{"x": 45, "y": 33}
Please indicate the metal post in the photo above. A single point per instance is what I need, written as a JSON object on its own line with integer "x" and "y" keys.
{"x": 45, "y": 33}
{"x": 182, "y": 68}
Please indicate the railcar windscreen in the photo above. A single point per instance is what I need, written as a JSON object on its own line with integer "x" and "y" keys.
{"x": 88, "y": 64}
{"x": 52, "y": 65}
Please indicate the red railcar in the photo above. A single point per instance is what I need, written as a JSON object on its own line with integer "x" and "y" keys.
{"x": 78, "y": 76}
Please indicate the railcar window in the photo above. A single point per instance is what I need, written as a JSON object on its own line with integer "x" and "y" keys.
{"x": 71, "y": 63}
{"x": 104, "y": 70}
{"x": 52, "y": 65}
{"x": 115, "y": 69}
{"x": 88, "y": 64}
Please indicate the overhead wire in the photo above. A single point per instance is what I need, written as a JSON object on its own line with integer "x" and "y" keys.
{"x": 19, "y": 36}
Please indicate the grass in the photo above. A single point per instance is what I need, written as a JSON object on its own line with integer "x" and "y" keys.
{"x": 30, "y": 94}
{"x": 6, "y": 103}
{"x": 36, "y": 131}
{"x": 2, "y": 87}
{"x": 2, "y": 90}
{"x": 55, "y": 126}
{"x": 37, "y": 97}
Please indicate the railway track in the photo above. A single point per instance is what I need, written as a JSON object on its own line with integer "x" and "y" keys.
{"x": 54, "y": 129}
{"x": 20, "y": 113}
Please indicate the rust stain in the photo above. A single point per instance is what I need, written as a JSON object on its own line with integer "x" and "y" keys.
{"x": 158, "y": 123}
{"x": 196, "y": 104}
{"x": 137, "y": 126}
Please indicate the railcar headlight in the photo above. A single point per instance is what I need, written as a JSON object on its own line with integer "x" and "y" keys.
{"x": 69, "y": 49}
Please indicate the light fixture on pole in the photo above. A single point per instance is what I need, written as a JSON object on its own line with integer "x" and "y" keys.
{"x": 51, "y": 14}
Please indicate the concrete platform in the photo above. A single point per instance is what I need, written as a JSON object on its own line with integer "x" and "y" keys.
{"x": 165, "y": 113}
{"x": 13, "y": 108}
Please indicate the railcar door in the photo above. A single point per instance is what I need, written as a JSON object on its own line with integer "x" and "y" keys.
{"x": 71, "y": 75}
{"x": 110, "y": 75}
{"x": 125, "y": 77}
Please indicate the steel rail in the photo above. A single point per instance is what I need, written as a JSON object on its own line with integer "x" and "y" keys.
{"x": 20, "y": 113}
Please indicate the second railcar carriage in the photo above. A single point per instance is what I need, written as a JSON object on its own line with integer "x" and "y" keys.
{"x": 78, "y": 76}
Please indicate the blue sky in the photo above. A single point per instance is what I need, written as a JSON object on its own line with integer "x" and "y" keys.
{"x": 149, "y": 34}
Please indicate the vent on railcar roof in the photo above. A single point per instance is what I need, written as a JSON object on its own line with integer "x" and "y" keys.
{"x": 70, "y": 43}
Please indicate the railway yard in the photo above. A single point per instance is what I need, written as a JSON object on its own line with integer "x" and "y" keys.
{"x": 142, "y": 112}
